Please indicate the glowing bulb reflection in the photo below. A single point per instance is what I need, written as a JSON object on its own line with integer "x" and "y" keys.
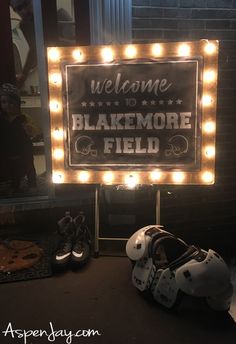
{"x": 210, "y": 151}
{"x": 83, "y": 176}
{"x": 54, "y": 54}
{"x": 58, "y": 154}
{"x": 184, "y": 50}
{"x": 107, "y": 54}
{"x": 208, "y": 177}
{"x": 54, "y": 106}
{"x": 130, "y": 51}
{"x": 77, "y": 54}
{"x": 55, "y": 78}
{"x": 108, "y": 177}
{"x": 207, "y": 100}
{"x": 209, "y": 76}
{"x": 58, "y": 134}
{"x": 209, "y": 127}
{"x": 156, "y": 175}
{"x": 58, "y": 177}
{"x": 131, "y": 181}
{"x": 210, "y": 48}
{"x": 157, "y": 49}
{"x": 178, "y": 177}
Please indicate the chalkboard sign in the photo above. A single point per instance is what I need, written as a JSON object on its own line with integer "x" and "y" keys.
{"x": 143, "y": 115}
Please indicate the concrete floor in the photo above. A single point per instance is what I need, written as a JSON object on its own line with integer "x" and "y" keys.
{"x": 101, "y": 297}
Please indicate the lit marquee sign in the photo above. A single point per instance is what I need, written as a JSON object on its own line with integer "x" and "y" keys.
{"x": 141, "y": 114}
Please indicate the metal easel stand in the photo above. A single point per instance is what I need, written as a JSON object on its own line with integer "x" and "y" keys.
{"x": 158, "y": 207}
{"x": 97, "y": 222}
{"x": 97, "y": 218}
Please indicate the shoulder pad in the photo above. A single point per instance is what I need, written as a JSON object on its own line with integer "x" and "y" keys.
{"x": 206, "y": 278}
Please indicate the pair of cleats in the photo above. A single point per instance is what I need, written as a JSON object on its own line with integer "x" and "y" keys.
{"x": 74, "y": 246}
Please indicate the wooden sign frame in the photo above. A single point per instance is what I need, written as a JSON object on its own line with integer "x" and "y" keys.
{"x": 58, "y": 56}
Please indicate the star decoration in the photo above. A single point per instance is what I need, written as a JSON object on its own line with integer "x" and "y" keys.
{"x": 92, "y": 104}
{"x": 170, "y": 101}
{"x": 84, "y": 104}
{"x": 153, "y": 102}
{"x": 100, "y": 103}
{"x": 116, "y": 103}
{"x": 144, "y": 102}
{"x": 108, "y": 103}
{"x": 161, "y": 102}
{"x": 179, "y": 101}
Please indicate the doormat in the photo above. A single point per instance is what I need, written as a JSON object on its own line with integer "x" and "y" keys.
{"x": 41, "y": 269}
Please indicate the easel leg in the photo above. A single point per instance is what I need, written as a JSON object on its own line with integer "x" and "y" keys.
{"x": 158, "y": 207}
{"x": 96, "y": 239}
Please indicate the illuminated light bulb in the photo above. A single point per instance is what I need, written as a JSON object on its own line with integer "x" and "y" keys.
{"x": 83, "y": 176}
{"x": 54, "y": 106}
{"x": 184, "y": 50}
{"x": 207, "y": 100}
{"x": 130, "y": 51}
{"x": 209, "y": 76}
{"x": 58, "y": 154}
{"x": 156, "y": 175}
{"x": 208, "y": 177}
{"x": 107, "y": 54}
{"x": 157, "y": 49}
{"x": 55, "y": 78}
{"x": 58, "y": 134}
{"x": 108, "y": 177}
{"x": 210, "y": 151}
{"x": 131, "y": 181}
{"x": 209, "y": 127}
{"x": 54, "y": 54}
{"x": 210, "y": 48}
{"x": 57, "y": 177}
{"x": 77, "y": 54}
{"x": 178, "y": 177}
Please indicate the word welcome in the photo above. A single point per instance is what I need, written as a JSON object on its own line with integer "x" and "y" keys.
{"x": 109, "y": 86}
{"x": 130, "y": 121}
{"x": 51, "y": 335}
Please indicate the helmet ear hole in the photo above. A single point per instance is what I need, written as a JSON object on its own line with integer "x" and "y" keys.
{"x": 167, "y": 249}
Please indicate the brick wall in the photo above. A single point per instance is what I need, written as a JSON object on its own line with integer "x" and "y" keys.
{"x": 212, "y": 208}
{"x": 184, "y": 20}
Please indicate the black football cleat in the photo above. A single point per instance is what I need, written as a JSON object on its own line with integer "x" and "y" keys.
{"x": 63, "y": 252}
{"x": 81, "y": 250}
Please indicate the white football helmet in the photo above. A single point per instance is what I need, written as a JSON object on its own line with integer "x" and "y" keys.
{"x": 168, "y": 267}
